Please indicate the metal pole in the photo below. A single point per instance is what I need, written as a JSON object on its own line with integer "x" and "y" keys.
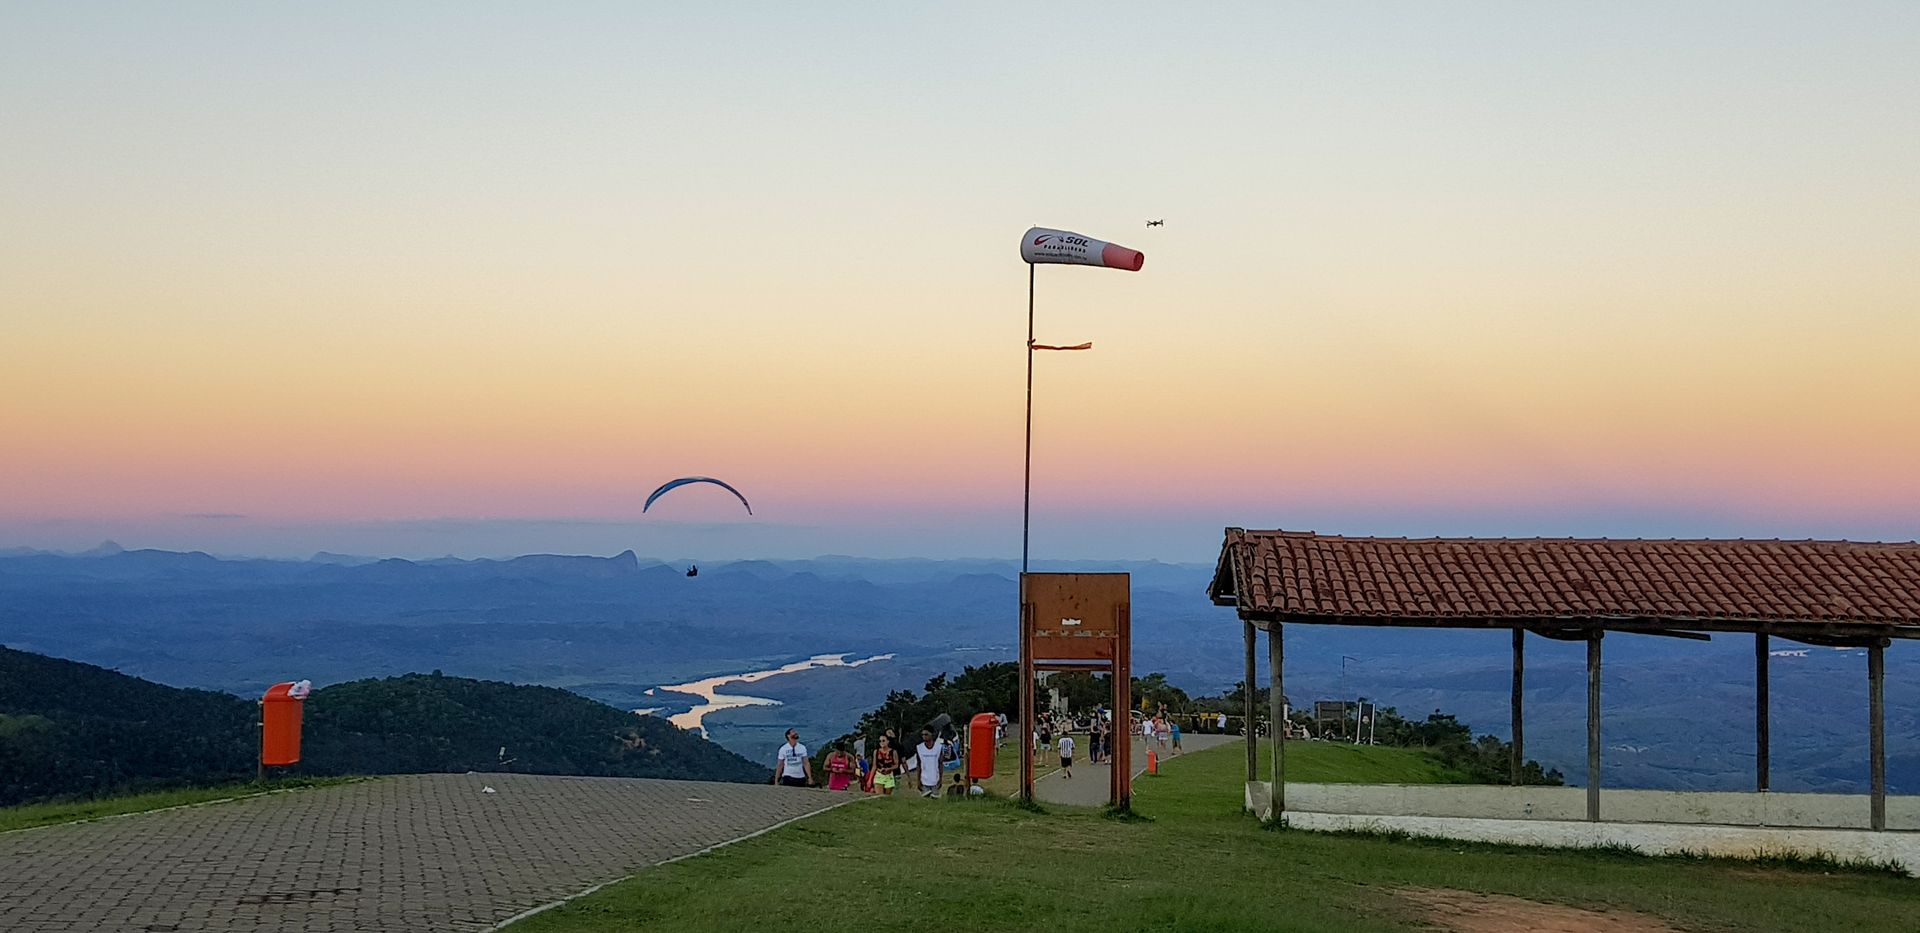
{"x": 1027, "y": 718}
{"x": 1761, "y": 766}
{"x": 1877, "y": 734}
{"x": 260, "y": 760}
{"x": 1026, "y": 483}
{"x": 1519, "y": 684}
{"x": 1593, "y": 724}
{"x": 1276, "y": 711}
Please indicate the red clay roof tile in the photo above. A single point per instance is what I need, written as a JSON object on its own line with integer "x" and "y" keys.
{"x": 1302, "y": 574}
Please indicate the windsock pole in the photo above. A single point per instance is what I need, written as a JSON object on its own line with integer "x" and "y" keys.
{"x": 1039, "y": 245}
{"x": 1026, "y": 521}
{"x": 1026, "y": 483}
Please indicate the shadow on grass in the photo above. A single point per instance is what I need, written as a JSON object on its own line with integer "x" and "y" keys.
{"x": 1124, "y": 814}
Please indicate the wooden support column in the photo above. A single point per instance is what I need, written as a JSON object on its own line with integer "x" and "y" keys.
{"x": 1519, "y": 682}
{"x": 1277, "y": 714}
{"x": 1253, "y": 747}
{"x": 1761, "y": 769}
{"x": 1120, "y": 767}
{"x": 1877, "y": 742}
{"x": 1027, "y": 718}
{"x": 1593, "y": 724}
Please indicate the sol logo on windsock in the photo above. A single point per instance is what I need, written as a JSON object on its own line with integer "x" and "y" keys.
{"x": 1060, "y": 246}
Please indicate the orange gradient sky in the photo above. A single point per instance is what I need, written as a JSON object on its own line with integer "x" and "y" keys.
{"x": 472, "y": 280}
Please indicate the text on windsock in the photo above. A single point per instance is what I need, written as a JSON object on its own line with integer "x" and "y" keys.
{"x": 1042, "y": 244}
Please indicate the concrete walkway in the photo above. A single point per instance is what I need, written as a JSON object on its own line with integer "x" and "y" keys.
{"x": 413, "y": 853}
{"x": 1089, "y": 785}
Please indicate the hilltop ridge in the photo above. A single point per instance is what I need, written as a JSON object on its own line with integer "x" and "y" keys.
{"x": 73, "y": 729}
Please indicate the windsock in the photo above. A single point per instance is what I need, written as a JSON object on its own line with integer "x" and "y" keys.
{"x": 1045, "y": 245}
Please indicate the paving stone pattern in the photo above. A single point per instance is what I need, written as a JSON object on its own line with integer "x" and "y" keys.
{"x": 413, "y": 853}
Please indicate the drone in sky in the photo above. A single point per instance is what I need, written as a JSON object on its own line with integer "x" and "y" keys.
{"x": 1156, "y": 223}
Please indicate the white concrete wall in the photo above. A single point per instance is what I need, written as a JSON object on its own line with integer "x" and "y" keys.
{"x": 1901, "y": 848}
{"x": 1502, "y": 802}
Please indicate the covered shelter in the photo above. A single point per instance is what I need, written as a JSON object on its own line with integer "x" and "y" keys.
{"x": 1829, "y": 593}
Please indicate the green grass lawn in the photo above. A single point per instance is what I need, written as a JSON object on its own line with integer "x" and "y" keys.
{"x": 1310, "y": 762}
{"x": 1195, "y": 863}
{"x": 1340, "y": 763}
{"x": 72, "y": 811}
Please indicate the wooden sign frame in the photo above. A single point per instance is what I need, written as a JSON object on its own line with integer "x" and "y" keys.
{"x": 1079, "y": 622}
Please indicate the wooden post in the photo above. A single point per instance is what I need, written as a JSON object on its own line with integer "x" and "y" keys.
{"x": 1277, "y": 715}
{"x": 1877, "y": 742}
{"x": 1593, "y": 723}
{"x": 1120, "y": 768}
{"x": 1253, "y": 748}
{"x": 1027, "y": 719}
{"x": 1761, "y": 768}
{"x": 1519, "y": 682}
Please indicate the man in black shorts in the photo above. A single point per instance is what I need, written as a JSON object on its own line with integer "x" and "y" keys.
{"x": 792, "y": 767}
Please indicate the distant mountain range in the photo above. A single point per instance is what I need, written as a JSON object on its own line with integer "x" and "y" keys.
{"x": 1678, "y": 714}
{"x": 75, "y": 729}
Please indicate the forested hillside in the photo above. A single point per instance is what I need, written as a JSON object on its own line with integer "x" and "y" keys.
{"x": 71, "y": 729}
{"x": 429, "y": 722}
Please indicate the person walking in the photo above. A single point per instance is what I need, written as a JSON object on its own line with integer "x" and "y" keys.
{"x": 792, "y": 767}
{"x": 927, "y": 761}
{"x": 886, "y": 766}
{"x": 840, "y": 768}
{"x": 1176, "y": 736}
{"x": 1066, "y": 757}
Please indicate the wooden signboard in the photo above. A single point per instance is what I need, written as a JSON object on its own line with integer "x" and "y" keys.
{"x": 1078, "y": 622}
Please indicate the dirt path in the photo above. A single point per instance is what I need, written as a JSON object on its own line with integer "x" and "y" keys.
{"x": 1469, "y": 912}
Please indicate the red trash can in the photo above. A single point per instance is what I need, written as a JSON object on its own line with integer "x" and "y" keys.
{"x": 280, "y": 723}
{"x": 980, "y": 742}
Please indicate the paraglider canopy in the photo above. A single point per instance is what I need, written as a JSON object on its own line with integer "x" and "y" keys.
{"x": 684, "y": 480}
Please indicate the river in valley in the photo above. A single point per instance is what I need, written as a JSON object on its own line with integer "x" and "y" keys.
{"x": 713, "y": 701}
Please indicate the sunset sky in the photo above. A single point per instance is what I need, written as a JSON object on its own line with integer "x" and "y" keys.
{"x": 473, "y": 279}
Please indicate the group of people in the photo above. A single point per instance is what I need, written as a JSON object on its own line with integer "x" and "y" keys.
{"x": 891, "y": 763}
{"x": 1053, "y": 733}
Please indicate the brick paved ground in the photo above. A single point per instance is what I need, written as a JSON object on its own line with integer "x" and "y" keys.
{"x": 414, "y": 853}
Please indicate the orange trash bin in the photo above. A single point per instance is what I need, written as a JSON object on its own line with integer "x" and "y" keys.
{"x": 980, "y": 742}
{"x": 280, "y": 723}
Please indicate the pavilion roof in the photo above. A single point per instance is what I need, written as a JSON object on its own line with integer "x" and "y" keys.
{"x": 1816, "y": 589}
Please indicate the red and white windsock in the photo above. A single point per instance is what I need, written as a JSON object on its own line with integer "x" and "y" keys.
{"x": 1045, "y": 245}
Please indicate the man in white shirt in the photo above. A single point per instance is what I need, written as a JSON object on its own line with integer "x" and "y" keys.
{"x": 1066, "y": 756}
{"x": 793, "y": 768}
{"x": 927, "y": 761}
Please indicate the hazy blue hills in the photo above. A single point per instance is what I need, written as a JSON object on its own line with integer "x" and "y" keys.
{"x": 68, "y": 728}
{"x": 1678, "y": 714}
